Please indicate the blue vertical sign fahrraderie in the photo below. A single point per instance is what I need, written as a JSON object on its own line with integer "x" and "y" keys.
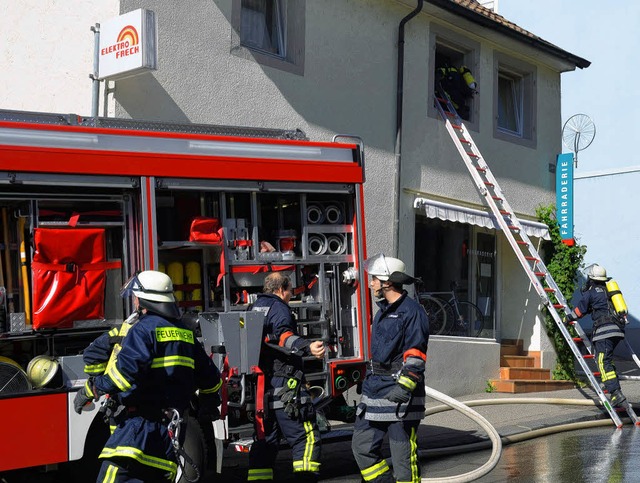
{"x": 564, "y": 197}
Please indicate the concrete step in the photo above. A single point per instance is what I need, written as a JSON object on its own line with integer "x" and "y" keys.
{"x": 532, "y": 373}
{"x": 517, "y": 386}
{"x": 517, "y": 361}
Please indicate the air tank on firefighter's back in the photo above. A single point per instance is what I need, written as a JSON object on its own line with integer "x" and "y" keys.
{"x": 613, "y": 291}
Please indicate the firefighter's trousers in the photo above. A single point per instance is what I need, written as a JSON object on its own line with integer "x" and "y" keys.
{"x": 604, "y": 358}
{"x": 126, "y": 470}
{"x": 302, "y": 436}
{"x": 367, "y": 443}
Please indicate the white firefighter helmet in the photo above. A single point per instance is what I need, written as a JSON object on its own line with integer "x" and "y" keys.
{"x": 381, "y": 267}
{"x": 149, "y": 285}
{"x": 596, "y": 272}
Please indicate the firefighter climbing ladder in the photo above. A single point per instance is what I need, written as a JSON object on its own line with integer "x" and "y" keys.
{"x": 549, "y": 293}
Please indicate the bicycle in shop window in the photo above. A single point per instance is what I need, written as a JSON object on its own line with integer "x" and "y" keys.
{"x": 450, "y": 316}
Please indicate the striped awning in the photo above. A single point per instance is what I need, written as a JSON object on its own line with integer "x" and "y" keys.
{"x": 462, "y": 214}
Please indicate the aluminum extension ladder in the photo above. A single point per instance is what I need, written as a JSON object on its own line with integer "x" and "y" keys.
{"x": 549, "y": 293}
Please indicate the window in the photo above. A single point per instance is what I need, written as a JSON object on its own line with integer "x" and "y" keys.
{"x": 262, "y": 26}
{"x": 514, "y": 100}
{"x": 270, "y": 32}
{"x": 510, "y": 103}
{"x": 450, "y": 50}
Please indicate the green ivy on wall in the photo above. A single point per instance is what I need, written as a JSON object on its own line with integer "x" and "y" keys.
{"x": 563, "y": 262}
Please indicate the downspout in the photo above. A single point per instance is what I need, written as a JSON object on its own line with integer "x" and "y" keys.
{"x": 398, "y": 146}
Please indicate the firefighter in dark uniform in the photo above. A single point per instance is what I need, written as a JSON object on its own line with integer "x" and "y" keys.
{"x": 289, "y": 410}
{"x": 393, "y": 392}
{"x": 608, "y": 329}
{"x": 154, "y": 373}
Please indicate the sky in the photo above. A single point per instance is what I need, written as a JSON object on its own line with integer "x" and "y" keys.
{"x": 605, "y": 33}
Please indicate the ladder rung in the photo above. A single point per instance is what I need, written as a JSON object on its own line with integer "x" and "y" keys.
{"x": 471, "y": 155}
{"x": 497, "y": 198}
{"x": 588, "y": 356}
{"x": 513, "y": 227}
{"x": 548, "y": 289}
{"x": 521, "y": 242}
{"x": 555, "y": 306}
{"x": 487, "y": 183}
{"x": 456, "y": 126}
{"x": 597, "y": 374}
{"x": 481, "y": 170}
{"x": 505, "y": 213}
{"x": 532, "y": 259}
{"x": 463, "y": 140}
{"x": 577, "y": 339}
{"x": 542, "y": 274}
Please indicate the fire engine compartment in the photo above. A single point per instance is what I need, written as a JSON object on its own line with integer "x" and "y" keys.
{"x": 309, "y": 235}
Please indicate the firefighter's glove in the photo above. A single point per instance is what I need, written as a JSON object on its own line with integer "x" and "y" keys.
{"x": 289, "y": 397}
{"x": 208, "y": 406}
{"x": 85, "y": 396}
{"x": 571, "y": 317}
{"x": 405, "y": 384}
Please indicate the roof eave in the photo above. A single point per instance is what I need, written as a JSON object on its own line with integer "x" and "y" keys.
{"x": 537, "y": 43}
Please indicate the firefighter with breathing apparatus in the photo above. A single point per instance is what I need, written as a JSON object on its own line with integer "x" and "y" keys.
{"x": 393, "y": 392}
{"x": 608, "y": 312}
{"x": 152, "y": 366}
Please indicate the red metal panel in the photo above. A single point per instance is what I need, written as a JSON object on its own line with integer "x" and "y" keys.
{"x": 72, "y": 161}
{"x": 34, "y": 431}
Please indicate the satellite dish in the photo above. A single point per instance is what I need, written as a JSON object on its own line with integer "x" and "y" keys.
{"x": 578, "y": 133}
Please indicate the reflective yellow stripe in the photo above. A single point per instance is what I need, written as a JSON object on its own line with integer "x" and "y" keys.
{"x": 173, "y": 361}
{"x": 173, "y": 334}
{"x": 406, "y": 382}
{"x": 374, "y": 471}
{"x": 604, "y": 376}
{"x": 94, "y": 369}
{"x": 110, "y": 474}
{"x": 140, "y": 457}
{"x": 118, "y": 379}
{"x": 213, "y": 389}
{"x": 112, "y": 428}
{"x": 260, "y": 474}
{"x": 415, "y": 469}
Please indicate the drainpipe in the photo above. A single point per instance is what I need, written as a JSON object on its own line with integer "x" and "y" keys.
{"x": 398, "y": 148}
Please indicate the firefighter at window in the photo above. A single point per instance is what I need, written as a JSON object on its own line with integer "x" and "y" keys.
{"x": 289, "y": 411}
{"x": 608, "y": 328}
{"x": 393, "y": 392}
{"x": 458, "y": 85}
{"x": 152, "y": 367}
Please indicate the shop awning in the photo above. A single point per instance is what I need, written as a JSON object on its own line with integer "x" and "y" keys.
{"x": 462, "y": 214}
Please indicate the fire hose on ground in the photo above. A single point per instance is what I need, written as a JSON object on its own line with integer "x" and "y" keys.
{"x": 495, "y": 440}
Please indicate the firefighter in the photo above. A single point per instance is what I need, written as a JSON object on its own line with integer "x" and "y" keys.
{"x": 153, "y": 376}
{"x": 608, "y": 329}
{"x": 458, "y": 85}
{"x": 289, "y": 410}
{"x": 393, "y": 392}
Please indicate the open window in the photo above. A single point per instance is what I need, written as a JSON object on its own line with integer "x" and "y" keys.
{"x": 453, "y": 57}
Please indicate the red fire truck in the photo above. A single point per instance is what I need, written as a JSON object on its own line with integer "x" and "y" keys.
{"x": 86, "y": 202}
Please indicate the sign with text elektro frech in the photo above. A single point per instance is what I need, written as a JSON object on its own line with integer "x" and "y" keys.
{"x": 128, "y": 45}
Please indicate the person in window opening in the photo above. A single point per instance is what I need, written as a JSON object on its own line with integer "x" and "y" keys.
{"x": 150, "y": 368}
{"x": 608, "y": 329}
{"x": 393, "y": 391}
{"x": 458, "y": 85}
{"x": 289, "y": 410}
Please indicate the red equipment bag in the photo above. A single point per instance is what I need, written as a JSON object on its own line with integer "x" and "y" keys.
{"x": 205, "y": 230}
{"x": 69, "y": 276}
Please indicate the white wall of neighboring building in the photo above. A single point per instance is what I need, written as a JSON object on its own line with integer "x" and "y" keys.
{"x": 47, "y": 53}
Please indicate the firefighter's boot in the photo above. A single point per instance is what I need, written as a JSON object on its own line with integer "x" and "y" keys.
{"x": 617, "y": 398}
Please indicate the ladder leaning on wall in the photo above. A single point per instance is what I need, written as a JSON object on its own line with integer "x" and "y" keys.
{"x": 544, "y": 284}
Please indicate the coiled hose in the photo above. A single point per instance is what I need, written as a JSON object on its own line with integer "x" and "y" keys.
{"x": 495, "y": 440}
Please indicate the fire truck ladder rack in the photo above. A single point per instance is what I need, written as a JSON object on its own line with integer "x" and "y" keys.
{"x": 544, "y": 284}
